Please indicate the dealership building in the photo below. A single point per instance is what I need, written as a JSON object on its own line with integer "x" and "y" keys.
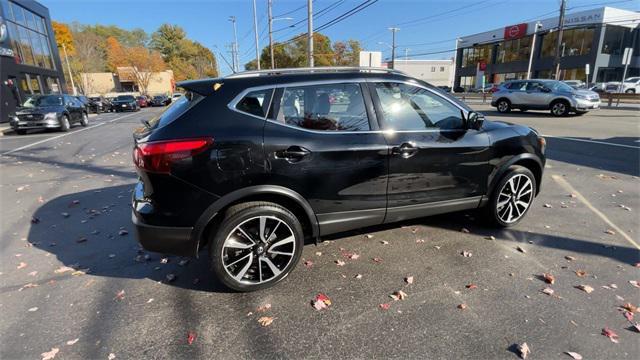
{"x": 29, "y": 60}
{"x": 593, "y": 41}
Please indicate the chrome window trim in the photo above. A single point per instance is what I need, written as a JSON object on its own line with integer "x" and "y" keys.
{"x": 234, "y": 102}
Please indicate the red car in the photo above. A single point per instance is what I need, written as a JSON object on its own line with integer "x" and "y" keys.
{"x": 142, "y": 101}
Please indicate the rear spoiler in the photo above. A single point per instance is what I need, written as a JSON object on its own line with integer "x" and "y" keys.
{"x": 204, "y": 87}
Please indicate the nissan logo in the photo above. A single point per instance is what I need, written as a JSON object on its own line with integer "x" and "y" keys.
{"x": 514, "y": 31}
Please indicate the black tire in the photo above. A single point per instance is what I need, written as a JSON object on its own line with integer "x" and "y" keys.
{"x": 243, "y": 214}
{"x": 630, "y": 91}
{"x": 65, "y": 125}
{"x": 560, "y": 108}
{"x": 85, "y": 119}
{"x": 21, "y": 132}
{"x": 503, "y": 106}
{"x": 491, "y": 211}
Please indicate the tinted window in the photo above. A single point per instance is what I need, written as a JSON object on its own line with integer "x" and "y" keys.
{"x": 254, "y": 103}
{"x": 176, "y": 109}
{"x": 407, "y": 107}
{"x": 517, "y": 85}
{"x": 337, "y": 107}
{"x": 125, "y": 97}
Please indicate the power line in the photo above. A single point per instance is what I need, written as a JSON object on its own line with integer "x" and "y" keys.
{"x": 292, "y": 11}
{"x": 317, "y": 15}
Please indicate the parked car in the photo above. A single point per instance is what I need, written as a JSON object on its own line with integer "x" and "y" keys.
{"x": 445, "y": 88}
{"x": 85, "y": 101}
{"x": 599, "y": 88}
{"x": 98, "y": 104}
{"x": 160, "y": 100}
{"x": 576, "y": 84}
{"x": 629, "y": 86}
{"x": 487, "y": 88}
{"x": 252, "y": 169}
{"x": 49, "y": 112}
{"x": 125, "y": 103}
{"x": 143, "y": 101}
{"x": 536, "y": 94}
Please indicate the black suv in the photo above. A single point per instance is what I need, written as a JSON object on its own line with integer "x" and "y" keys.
{"x": 255, "y": 163}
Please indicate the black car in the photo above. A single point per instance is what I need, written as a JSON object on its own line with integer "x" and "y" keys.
{"x": 49, "y": 112}
{"x": 99, "y": 104}
{"x": 125, "y": 103}
{"x": 254, "y": 164}
{"x": 160, "y": 100}
{"x": 85, "y": 101}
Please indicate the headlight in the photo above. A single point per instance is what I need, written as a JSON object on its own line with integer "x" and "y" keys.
{"x": 50, "y": 116}
{"x": 583, "y": 97}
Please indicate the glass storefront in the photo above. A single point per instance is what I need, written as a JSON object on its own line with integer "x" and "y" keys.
{"x": 500, "y": 78}
{"x": 514, "y": 50}
{"x": 473, "y": 55}
{"x": 468, "y": 82}
{"x": 575, "y": 42}
{"x": 29, "y": 37}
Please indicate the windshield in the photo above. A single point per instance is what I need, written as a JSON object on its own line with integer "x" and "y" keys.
{"x": 632, "y": 79}
{"x": 43, "y": 101}
{"x": 157, "y": 97}
{"x": 125, "y": 97}
{"x": 558, "y": 86}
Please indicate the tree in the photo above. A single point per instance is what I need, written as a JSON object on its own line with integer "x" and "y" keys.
{"x": 116, "y": 54}
{"x": 63, "y": 36}
{"x": 169, "y": 41}
{"x": 347, "y": 54}
{"x": 143, "y": 63}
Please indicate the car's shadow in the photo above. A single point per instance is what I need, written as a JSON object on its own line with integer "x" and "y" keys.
{"x": 92, "y": 231}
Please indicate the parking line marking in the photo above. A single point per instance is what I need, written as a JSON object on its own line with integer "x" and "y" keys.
{"x": 565, "y": 184}
{"x": 593, "y": 141}
{"x": 62, "y": 135}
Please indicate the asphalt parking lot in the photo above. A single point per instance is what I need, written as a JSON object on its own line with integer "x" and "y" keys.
{"x": 73, "y": 278}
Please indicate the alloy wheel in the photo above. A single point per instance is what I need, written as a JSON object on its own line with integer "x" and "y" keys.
{"x": 559, "y": 109}
{"x": 503, "y": 106}
{"x": 515, "y": 198}
{"x": 258, "y": 250}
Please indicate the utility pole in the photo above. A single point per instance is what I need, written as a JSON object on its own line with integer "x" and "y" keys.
{"x": 310, "y": 33}
{"x": 273, "y": 64}
{"x": 533, "y": 48}
{"x": 556, "y": 59}
{"x": 255, "y": 30}
{"x": 406, "y": 55}
{"x": 234, "y": 49}
{"x": 393, "y": 46}
{"x": 73, "y": 85}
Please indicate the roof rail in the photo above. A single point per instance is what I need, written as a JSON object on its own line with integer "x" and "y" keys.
{"x": 320, "y": 69}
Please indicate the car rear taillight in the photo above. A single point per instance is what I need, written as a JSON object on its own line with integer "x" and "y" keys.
{"x": 158, "y": 156}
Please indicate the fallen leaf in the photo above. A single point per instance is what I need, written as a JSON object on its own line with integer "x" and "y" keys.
{"x": 471, "y": 286}
{"x": 50, "y": 354}
{"x": 383, "y": 242}
{"x": 419, "y": 241}
{"x": 63, "y": 269}
{"x": 629, "y": 307}
{"x": 34, "y": 273}
{"x": 385, "y": 306}
{"x": 111, "y": 356}
{"x": 524, "y": 350}
{"x": 586, "y": 288}
{"x": 71, "y": 342}
{"x": 464, "y": 230}
{"x": 353, "y": 256}
{"x": 266, "y": 320}
{"x": 308, "y": 264}
{"x": 263, "y": 308}
{"x": 581, "y": 273}
{"x": 574, "y": 355}
{"x": 549, "y": 291}
{"x": 548, "y": 205}
{"x": 550, "y": 279}
{"x": 123, "y": 232}
{"x": 22, "y": 265}
{"x": 150, "y": 301}
{"x": 368, "y": 236}
{"x": 610, "y": 232}
{"x": 398, "y": 295}
{"x": 65, "y": 214}
{"x": 377, "y": 260}
{"x": 637, "y": 327}
{"x": 519, "y": 248}
{"x": 339, "y": 262}
{"x": 628, "y": 316}
{"x": 610, "y": 334}
{"x": 570, "y": 258}
{"x": 33, "y": 309}
{"x": 28, "y": 286}
{"x": 321, "y": 301}
{"x": 466, "y": 253}
{"x": 318, "y": 253}
{"x": 490, "y": 237}
{"x": 191, "y": 337}
{"x": 409, "y": 280}
{"x": 119, "y": 295}
{"x": 634, "y": 283}
{"x": 462, "y": 306}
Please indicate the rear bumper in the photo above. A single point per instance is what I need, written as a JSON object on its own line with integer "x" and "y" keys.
{"x": 164, "y": 239}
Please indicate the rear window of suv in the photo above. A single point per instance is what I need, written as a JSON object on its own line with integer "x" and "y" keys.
{"x": 175, "y": 110}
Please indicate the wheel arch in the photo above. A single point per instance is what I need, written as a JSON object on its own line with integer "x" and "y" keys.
{"x": 283, "y": 196}
{"x": 529, "y": 161}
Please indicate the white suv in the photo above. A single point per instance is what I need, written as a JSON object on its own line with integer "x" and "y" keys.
{"x": 630, "y": 86}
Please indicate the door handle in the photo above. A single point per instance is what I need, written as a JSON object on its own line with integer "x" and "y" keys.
{"x": 406, "y": 150}
{"x": 292, "y": 153}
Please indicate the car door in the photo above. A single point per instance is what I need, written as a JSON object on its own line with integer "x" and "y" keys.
{"x": 436, "y": 164}
{"x": 322, "y": 141}
{"x": 536, "y": 95}
{"x": 70, "y": 106}
{"x": 516, "y": 91}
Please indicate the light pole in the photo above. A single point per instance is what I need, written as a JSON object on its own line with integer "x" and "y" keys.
{"x": 556, "y": 59}
{"x": 406, "y": 55}
{"x": 532, "y": 49}
{"x": 271, "y": 20}
{"x": 234, "y": 48}
{"x": 255, "y": 30}
{"x": 73, "y": 85}
{"x": 310, "y": 32}
{"x": 393, "y": 46}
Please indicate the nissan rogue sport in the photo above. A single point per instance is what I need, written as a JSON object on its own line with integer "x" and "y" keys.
{"x": 251, "y": 165}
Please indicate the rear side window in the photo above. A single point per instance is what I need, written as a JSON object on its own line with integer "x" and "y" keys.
{"x": 517, "y": 85}
{"x": 176, "y": 109}
{"x": 255, "y": 103}
{"x": 330, "y": 107}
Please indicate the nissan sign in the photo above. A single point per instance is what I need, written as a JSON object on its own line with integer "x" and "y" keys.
{"x": 515, "y": 31}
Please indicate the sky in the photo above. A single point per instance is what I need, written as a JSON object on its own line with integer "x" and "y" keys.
{"x": 426, "y": 26}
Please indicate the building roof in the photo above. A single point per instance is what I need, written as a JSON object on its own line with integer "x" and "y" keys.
{"x": 602, "y": 15}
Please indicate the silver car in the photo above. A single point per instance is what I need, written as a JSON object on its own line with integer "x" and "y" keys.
{"x": 540, "y": 94}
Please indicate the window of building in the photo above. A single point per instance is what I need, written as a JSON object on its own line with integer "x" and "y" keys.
{"x": 514, "y": 50}
{"x": 433, "y": 69}
{"x": 407, "y": 107}
{"x": 254, "y": 103}
{"x": 331, "y": 107}
{"x": 574, "y": 42}
{"x": 34, "y": 84}
{"x": 441, "y": 68}
{"x": 472, "y": 56}
{"x": 29, "y": 37}
{"x": 614, "y": 37}
{"x": 467, "y": 82}
{"x": 573, "y": 74}
{"x": 500, "y": 78}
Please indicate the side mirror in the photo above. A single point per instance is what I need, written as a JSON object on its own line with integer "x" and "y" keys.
{"x": 474, "y": 120}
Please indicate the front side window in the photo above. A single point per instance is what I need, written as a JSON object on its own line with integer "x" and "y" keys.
{"x": 330, "y": 107}
{"x": 407, "y": 107}
{"x": 255, "y": 103}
